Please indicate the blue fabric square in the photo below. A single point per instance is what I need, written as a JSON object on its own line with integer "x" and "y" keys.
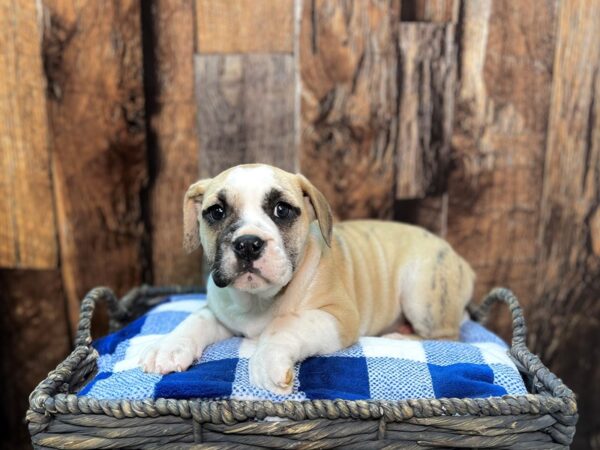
{"x": 473, "y": 332}
{"x": 398, "y": 379}
{"x": 464, "y": 380}
{"x": 98, "y": 378}
{"x": 162, "y": 322}
{"x": 229, "y": 348}
{"x": 447, "y": 352}
{"x": 109, "y": 343}
{"x": 331, "y": 378}
{"x": 216, "y": 381}
{"x": 505, "y": 376}
{"x": 131, "y": 384}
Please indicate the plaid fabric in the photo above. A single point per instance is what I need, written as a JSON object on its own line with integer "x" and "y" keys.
{"x": 374, "y": 368}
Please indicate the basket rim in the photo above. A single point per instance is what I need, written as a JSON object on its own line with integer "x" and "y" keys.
{"x": 47, "y": 400}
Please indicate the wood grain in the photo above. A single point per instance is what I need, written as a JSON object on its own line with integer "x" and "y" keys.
{"x": 565, "y": 318}
{"x": 246, "y": 106}
{"x": 349, "y": 103}
{"x": 172, "y": 139}
{"x": 427, "y": 74}
{"x": 34, "y": 338}
{"x": 503, "y": 99}
{"x": 93, "y": 60}
{"x": 245, "y": 26}
{"x": 430, "y": 10}
{"x": 27, "y": 221}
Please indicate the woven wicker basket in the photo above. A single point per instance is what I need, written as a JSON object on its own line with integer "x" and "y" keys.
{"x": 543, "y": 419}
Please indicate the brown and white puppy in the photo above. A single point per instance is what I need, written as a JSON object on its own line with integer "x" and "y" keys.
{"x": 301, "y": 286}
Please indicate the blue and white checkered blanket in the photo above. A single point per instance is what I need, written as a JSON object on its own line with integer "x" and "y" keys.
{"x": 374, "y": 368}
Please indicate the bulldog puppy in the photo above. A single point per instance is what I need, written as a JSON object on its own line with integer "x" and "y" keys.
{"x": 284, "y": 275}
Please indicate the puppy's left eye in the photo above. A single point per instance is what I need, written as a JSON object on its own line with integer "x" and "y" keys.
{"x": 282, "y": 210}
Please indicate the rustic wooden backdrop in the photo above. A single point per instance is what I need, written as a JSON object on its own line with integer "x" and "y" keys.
{"x": 477, "y": 119}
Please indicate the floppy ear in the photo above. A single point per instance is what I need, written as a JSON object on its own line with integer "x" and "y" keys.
{"x": 320, "y": 205}
{"x": 191, "y": 204}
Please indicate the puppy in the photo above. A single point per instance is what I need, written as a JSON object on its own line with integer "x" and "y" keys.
{"x": 284, "y": 275}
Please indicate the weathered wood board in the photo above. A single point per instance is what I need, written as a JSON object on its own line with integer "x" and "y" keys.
{"x": 430, "y": 10}
{"x": 564, "y": 318}
{"x": 245, "y": 26}
{"x": 427, "y": 73}
{"x": 172, "y": 140}
{"x": 503, "y": 99}
{"x": 93, "y": 60}
{"x": 27, "y": 221}
{"x": 349, "y": 103}
{"x": 246, "y": 106}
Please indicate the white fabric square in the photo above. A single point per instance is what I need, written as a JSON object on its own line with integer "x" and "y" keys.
{"x": 393, "y": 348}
{"x": 494, "y": 354}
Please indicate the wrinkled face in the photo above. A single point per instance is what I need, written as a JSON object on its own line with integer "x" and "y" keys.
{"x": 253, "y": 227}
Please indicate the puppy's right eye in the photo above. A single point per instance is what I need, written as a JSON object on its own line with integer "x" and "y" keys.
{"x": 215, "y": 213}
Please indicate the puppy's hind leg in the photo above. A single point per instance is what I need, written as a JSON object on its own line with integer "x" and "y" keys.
{"x": 436, "y": 294}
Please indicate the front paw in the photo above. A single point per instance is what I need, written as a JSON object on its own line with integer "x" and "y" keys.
{"x": 172, "y": 354}
{"x": 272, "y": 369}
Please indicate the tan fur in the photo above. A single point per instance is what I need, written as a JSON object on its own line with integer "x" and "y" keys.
{"x": 376, "y": 272}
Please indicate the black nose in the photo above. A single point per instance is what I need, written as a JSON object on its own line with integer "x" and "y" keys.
{"x": 248, "y": 247}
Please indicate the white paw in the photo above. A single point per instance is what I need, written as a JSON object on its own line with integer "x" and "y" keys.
{"x": 272, "y": 369}
{"x": 171, "y": 354}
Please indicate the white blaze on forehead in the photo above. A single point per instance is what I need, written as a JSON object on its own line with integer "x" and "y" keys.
{"x": 255, "y": 178}
{"x": 250, "y": 185}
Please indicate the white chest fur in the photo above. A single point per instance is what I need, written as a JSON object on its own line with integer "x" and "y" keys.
{"x": 244, "y": 314}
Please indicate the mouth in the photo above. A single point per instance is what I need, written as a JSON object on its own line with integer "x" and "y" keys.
{"x": 246, "y": 272}
{"x": 250, "y": 273}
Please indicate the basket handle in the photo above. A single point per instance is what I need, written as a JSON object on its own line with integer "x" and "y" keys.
{"x": 119, "y": 310}
{"x": 86, "y": 311}
{"x": 498, "y": 295}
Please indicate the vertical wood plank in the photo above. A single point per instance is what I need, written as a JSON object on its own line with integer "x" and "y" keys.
{"x": 427, "y": 80}
{"x": 349, "y": 103}
{"x": 172, "y": 140}
{"x": 34, "y": 338}
{"x": 27, "y": 221}
{"x": 245, "y": 26}
{"x": 498, "y": 141}
{"x": 246, "y": 107}
{"x": 430, "y": 10}
{"x": 564, "y": 320}
{"x": 93, "y": 60}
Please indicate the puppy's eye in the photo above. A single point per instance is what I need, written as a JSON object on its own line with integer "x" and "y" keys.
{"x": 282, "y": 210}
{"x": 216, "y": 212}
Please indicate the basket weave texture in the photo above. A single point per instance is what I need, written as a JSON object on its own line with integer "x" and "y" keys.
{"x": 58, "y": 419}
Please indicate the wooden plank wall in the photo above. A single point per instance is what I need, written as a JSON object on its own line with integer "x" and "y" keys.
{"x": 349, "y": 109}
{"x": 245, "y": 83}
{"x": 564, "y": 313}
{"x": 172, "y": 143}
{"x": 477, "y": 119}
{"x": 93, "y": 60}
{"x": 27, "y": 221}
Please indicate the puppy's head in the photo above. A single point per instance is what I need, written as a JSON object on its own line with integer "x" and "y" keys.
{"x": 253, "y": 222}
